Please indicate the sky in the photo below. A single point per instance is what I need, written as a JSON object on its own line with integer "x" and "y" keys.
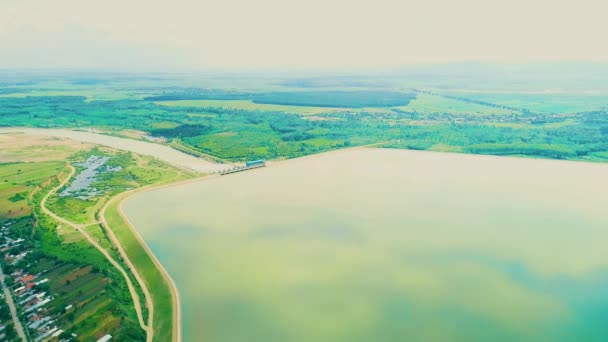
{"x": 227, "y": 34}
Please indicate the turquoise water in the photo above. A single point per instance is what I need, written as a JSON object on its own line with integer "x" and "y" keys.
{"x": 385, "y": 245}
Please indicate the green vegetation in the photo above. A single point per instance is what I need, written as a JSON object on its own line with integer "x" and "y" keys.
{"x": 427, "y": 103}
{"x": 123, "y": 171}
{"x": 182, "y": 131}
{"x": 340, "y": 99}
{"x": 77, "y": 274}
{"x": 108, "y": 286}
{"x": 247, "y": 105}
{"x": 233, "y": 125}
{"x": 131, "y": 172}
{"x": 17, "y": 180}
{"x": 6, "y": 321}
{"x": 217, "y": 120}
{"x": 327, "y": 98}
{"x": 156, "y": 284}
{"x": 550, "y": 102}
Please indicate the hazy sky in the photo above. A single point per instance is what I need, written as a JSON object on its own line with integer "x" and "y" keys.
{"x": 303, "y": 33}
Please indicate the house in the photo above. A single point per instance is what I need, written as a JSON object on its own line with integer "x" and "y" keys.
{"x": 42, "y": 281}
{"x": 105, "y": 338}
{"x": 27, "y": 279}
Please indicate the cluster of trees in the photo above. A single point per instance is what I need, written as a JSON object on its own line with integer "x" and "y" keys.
{"x": 182, "y": 131}
{"x": 329, "y": 98}
{"x": 333, "y": 82}
{"x": 340, "y": 99}
{"x": 48, "y": 244}
{"x": 475, "y": 101}
{"x": 246, "y": 134}
{"x": 4, "y": 91}
{"x": 6, "y": 319}
{"x": 199, "y": 94}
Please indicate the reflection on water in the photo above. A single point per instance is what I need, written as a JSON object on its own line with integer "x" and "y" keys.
{"x": 370, "y": 245}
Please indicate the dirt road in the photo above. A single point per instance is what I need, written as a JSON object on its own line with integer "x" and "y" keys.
{"x": 80, "y": 228}
{"x": 125, "y": 257}
{"x": 177, "y": 313}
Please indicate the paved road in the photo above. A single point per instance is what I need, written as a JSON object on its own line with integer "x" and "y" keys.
{"x": 11, "y": 305}
{"x": 81, "y": 230}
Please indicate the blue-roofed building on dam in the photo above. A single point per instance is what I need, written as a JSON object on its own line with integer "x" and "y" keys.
{"x": 255, "y": 163}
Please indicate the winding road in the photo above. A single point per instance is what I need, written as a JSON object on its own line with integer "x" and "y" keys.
{"x": 125, "y": 257}
{"x": 81, "y": 229}
{"x": 177, "y": 311}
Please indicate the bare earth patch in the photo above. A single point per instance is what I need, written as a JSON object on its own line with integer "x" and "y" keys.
{"x": 36, "y": 148}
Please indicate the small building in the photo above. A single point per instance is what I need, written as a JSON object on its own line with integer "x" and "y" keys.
{"x": 27, "y": 278}
{"x": 45, "y": 280}
{"x": 255, "y": 163}
{"x": 105, "y": 338}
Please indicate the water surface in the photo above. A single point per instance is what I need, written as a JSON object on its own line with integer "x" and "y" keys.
{"x": 162, "y": 152}
{"x": 388, "y": 245}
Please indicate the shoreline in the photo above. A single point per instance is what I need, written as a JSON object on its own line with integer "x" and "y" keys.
{"x": 175, "y": 292}
{"x": 162, "y": 152}
{"x": 35, "y": 130}
{"x": 167, "y": 200}
{"x": 81, "y": 229}
{"x": 120, "y": 199}
{"x": 175, "y": 298}
{"x": 124, "y": 196}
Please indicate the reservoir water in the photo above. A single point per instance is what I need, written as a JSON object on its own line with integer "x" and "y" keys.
{"x": 387, "y": 245}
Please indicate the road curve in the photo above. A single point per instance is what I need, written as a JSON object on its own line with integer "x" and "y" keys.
{"x": 81, "y": 230}
{"x": 125, "y": 257}
{"x": 120, "y": 198}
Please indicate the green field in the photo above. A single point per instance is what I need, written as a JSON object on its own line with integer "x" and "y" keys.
{"x": 353, "y": 98}
{"x": 250, "y": 106}
{"x": 78, "y": 274}
{"x": 425, "y": 103}
{"x": 234, "y": 119}
{"x": 137, "y": 171}
{"x": 546, "y": 102}
{"x": 230, "y": 125}
{"x": 387, "y": 245}
{"x": 156, "y": 284}
{"x": 17, "y": 180}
